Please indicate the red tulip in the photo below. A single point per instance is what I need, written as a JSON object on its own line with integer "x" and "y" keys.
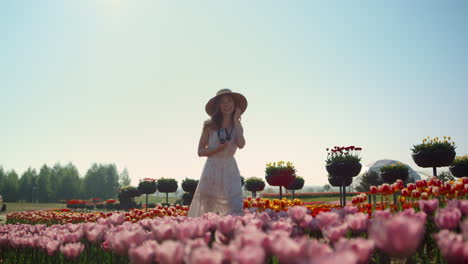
{"x": 386, "y": 188}
{"x": 424, "y": 196}
{"x": 421, "y": 183}
{"x": 373, "y": 189}
{"x": 405, "y": 192}
{"x": 416, "y": 193}
{"x": 411, "y": 186}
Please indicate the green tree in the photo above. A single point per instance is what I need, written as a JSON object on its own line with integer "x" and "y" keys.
{"x": 101, "y": 181}
{"x": 326, "y": 187}
{"x": 93, "y": 181}
{"x": 10, "y": 191}
{"x": 69, "y": 182}
{"x": 27, "y": 182}
{"x": 2, "y": 180}
{"x": 55, "y": 182}
{"x": 368, "y": 179}
{"x": 124, "y": 178}
{"x": 44, "y": 185}
{"x": 111, "y": 179}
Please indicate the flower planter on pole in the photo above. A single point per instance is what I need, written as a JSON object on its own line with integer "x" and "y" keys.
{"x": 459, "y": 167}
{"x": 342, "y": 164}
{"x": 433, "y": 153}
{"x": 280, "y": 175}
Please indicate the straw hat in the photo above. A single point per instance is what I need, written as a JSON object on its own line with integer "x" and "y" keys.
{"x": 239, "y": 100}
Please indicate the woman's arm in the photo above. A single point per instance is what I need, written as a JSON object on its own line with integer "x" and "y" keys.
{"x": 203, "y": 150}
{"x": 240, "y": 140}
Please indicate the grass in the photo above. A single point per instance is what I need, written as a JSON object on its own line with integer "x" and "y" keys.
{"x": 154, "y": 199}
{"x": 15, "y": 207}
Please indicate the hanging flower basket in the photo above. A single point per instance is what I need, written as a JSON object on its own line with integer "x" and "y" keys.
{"x": 344, "y": 170}
{"x": 280, "y": 175}
{"x": 280, "y": 178}
{"x": 459, "y": 171}
{"x": 393, "y": 172}
{"x": 437, "y": 158}
{"x": 147, "y": 186}
{"x": 338, "y": 182}
{"x": 434, "y": 152}
{"x": 459, "y": 167}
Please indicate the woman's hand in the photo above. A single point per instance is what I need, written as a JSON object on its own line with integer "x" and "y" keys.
{"x": 237, "y": 115}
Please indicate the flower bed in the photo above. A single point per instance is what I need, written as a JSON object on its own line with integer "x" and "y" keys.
{"x": 431, "y": 235}
{"x": 64, "y": 216}
{"x": 306, "y": 195}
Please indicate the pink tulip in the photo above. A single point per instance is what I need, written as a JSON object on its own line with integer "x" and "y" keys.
{"x": 271, "y": 239}
{"x": 313, "y": 249}
{"x": 117, "y": 219}
{"x": 448, "y": 218}
{"x": 229, "y": 251}
{"x": 279, "y": 225}
{"x": 185, "y": 231}
{"x": 385, "y": 214}
{"x": 204, "y": 255}
{"x": 362, "y": 247}
{"x": 106, "y": 246}
{"x": 306, "y": 221}
{"x": 297, "y": 213}
{"x": 170, "y": 252}
{"x": 463, "y": 206}
{"x": 144, "y": 253}
{"x": 96, "y": 234}
{"x": 464, "y": 229}
{"x": 350, "y": 210}
{"x": 429, "y": 206}
{"x": 249, "y": 236}
{"x": 357, "y": 222}
{"x": 72, "y": 250}
{"x": 73, "y": 237}
{"x": 324, "y": 219}
{"x": 335, "y": 232}
{"x": 251, "y": 255}
{"x": 52, "y": 246}
{"x": 398, "y": 236}
{"x": 452, "y": 246}
{"x": 421, "y": 216}
{"x": 286, "y": 249}
{"x": 122, "y": 241}
{"x": 226, "y": 224}
{"x": 341, "y": 257}
{"x": 163, "y": 232}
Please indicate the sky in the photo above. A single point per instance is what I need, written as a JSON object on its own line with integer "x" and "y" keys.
{"x": 126, "y": 82}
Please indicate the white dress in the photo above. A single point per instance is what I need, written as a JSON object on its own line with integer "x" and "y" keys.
{"x": 219, "y": 189}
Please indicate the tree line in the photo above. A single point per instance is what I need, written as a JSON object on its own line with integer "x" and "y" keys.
{"x": 58, "y": 183}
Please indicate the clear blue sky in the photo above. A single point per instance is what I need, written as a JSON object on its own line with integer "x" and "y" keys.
{"x": 126, "y": 82}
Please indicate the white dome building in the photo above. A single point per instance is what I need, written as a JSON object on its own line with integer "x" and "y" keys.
{"x": 375, "y": 166}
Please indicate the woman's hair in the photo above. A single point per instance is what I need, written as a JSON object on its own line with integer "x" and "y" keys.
{"x": 216, "y": 120}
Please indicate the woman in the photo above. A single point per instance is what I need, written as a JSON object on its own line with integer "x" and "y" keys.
{"x": 220, "y": 190}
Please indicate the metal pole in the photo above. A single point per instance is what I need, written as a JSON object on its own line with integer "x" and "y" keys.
{"x": 344, "y": 194}
{"x": 341, "y": 198}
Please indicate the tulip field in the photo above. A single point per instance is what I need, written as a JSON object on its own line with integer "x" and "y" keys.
{"x": 428, "y": 224}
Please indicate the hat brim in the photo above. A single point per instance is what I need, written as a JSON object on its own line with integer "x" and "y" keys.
{"x": 240, "y": 101}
